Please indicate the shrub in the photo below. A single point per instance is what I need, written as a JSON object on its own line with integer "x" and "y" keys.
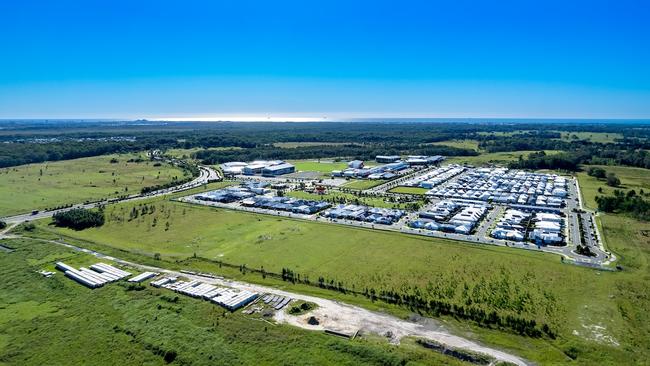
{"x": 79, "y": 218}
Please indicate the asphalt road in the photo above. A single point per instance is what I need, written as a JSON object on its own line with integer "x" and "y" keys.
{"x": 206, "y": 174}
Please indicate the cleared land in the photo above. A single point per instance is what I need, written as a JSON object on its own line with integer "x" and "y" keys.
{"x": 461, "y": 144}
{"x": 38, "y": 186}
{"x": 631, "y": 179}
{"x": 600, "y": 137}
{"x": 600, "y": 317}
{"x": 55, "y": 321}
{"x": 324, "y": 167}
{"x": 492, "y": 158}
{"x": 187, "y": 153}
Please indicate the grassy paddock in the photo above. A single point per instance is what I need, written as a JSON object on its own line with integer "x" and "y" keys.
{"x": 362, "y": 184}
{"x": 599, "y": 137}
{"x": 631, "y": 178}
{"x": 539, "y": 287}
{"x": 38, "y": 186}
{"x": 324, "y": 167}
{"x": 409, "y": 190}
{"x": 461, "y": 144}
{"x": 500, "y": 158}
{"x": 56, "y": 321}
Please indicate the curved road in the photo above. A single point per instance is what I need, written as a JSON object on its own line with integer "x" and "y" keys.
{"x": 206, "y": 175}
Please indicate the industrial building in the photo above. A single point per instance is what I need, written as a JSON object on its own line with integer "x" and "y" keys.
{"x": 226, "y": 195}
{"x": 355, "y": 164}
{"x": 387, "y": 158}
{"x": 233, "y": 168}
{"x": 270, "y": 168}
{"x": 413, "y": 160}
{"x": 386, "y": 171}
{"x": 289, "y": 204}
{"x": 279, "y": 169}
{"x": 384, "y": 216}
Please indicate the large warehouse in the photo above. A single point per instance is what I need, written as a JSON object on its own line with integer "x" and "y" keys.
{"x": 270, "y": 168}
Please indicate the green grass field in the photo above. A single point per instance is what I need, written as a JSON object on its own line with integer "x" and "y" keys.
{"x": 187, "y": 153}
{"x": 461, "y": 144}
{"x": 599, "y": 316}
{"x": 600, "y": 137}
{"x": 55, "y": 321}
{"x": 631, "y": 178}
{"x": 38, "y": 186}
{"x": 362, "y": 184}
{"x": 324, "y": 167}
{"x": 409, "y": 190}
{"x": 501, "y": 158}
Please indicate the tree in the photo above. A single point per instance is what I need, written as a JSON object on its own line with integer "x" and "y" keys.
{"x": 597, "y": 172}
{"x": 79, "y": 218}
{"x": 3, "y": 225}
{"x": 612, "y": 180}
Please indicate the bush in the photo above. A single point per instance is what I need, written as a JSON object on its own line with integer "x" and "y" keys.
{"x": 79, "y": 218}
{"x": 3, "y": 225}
{"x": 612, "y": 180}
{"x": 597, "y": 173}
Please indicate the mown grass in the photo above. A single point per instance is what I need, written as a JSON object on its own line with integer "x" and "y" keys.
{"x": 56, "y": 321}
{"x": 533, "y": 285}
{"x": 409, "y": 190}
{"x": 631, "y": 178}
{"x": 362, "y": 184}
{"x": 324, "y": 167}
{"x": 46, "y": 185}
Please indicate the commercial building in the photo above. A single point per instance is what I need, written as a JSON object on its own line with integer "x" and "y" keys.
{"x": 423, "y": 159}
{"x": 387, "y": 158}
{"x": 226, "y": 195}
{"x": 355, "y": 164}
{"x": 288, "y": 204}
{"x": 279, "y": 169}
{"x": 258, "y": 167}
{"x": 384, "y": 216}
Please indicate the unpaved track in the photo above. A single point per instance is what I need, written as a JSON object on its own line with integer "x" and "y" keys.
{"x": 334, "y": 315}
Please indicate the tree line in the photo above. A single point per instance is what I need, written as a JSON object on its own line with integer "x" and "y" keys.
{"x": 629, "y": 203}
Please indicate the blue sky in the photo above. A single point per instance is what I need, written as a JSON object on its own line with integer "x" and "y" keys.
{"x": 148, "y": 59}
